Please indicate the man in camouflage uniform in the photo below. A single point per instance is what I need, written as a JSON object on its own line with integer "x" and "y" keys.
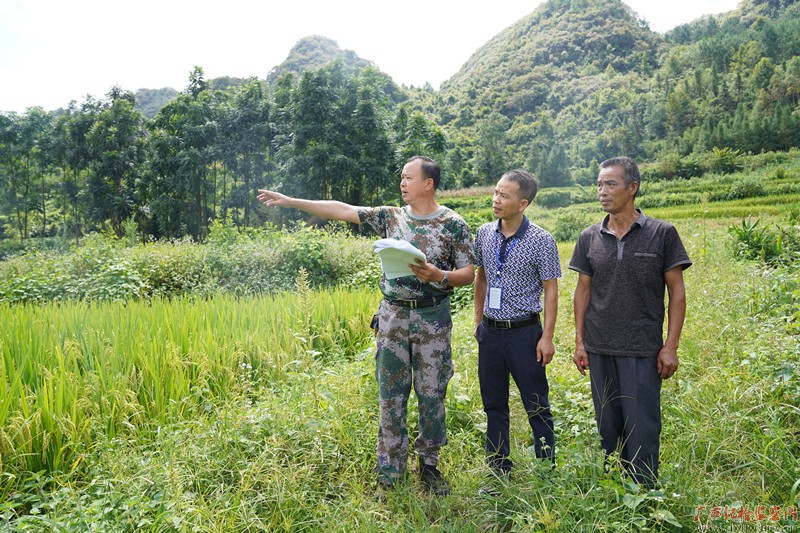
{"x": 414, "y": 321}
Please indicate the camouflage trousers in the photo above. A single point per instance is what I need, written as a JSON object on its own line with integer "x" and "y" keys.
{"x": 413, "y": 348}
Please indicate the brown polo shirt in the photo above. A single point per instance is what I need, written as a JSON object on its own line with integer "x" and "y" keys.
{"x": 625, "y": 316}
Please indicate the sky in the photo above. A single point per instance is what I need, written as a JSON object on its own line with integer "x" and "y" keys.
{"x": 55, "y": 51}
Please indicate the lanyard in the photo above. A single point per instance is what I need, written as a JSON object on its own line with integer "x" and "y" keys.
{"x": 509, "y": 247}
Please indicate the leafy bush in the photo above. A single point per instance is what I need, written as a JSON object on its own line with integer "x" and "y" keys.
{"x": 94, "y": 271}
{"x": 553, "y": 199}
{"x": 172, "y": 268}
{"x": 462, "y": 298}
{"x": 672, "y": 166}
{"x": 779, "y": 296}
{"x": 569, "y": 225}
{"x": 367, "y": 276}
{"x": 784, "y": 189}
{"x": 746, "y": 188}
{"x": 766, "y": 159}
{"x": 260, "y": 261}
{"x": 724, "y": 160}
{"x": 773, "y": 247}
{"x": 9, "y": 248}
{"x": 459, "y": 203}
{"x": 477, "y": 218}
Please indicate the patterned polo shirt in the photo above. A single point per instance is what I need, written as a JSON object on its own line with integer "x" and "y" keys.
{"x": 529, "y": 257}
{"x": 625, "y": 316}
{"x": 444, "y": 237}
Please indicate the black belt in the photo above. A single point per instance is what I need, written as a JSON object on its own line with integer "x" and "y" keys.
{"x": 511, "y": 324}
{"x": 416, "y": 304}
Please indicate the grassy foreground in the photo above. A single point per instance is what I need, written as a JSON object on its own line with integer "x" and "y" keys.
{"x": 292, "y": 448}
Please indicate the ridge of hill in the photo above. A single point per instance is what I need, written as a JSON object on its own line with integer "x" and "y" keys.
{"x": 313, "y": 52}
{"x": 562, "y": 38}
{"x": 577, "y": 81}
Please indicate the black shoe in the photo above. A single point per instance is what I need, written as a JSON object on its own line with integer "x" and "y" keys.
{"x": 433, "y": 479}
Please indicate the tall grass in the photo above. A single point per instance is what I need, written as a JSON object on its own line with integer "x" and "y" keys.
{"x": 260, "y": 413}
{"x": 294, "y": 450}
{"x": 73, "y": 371}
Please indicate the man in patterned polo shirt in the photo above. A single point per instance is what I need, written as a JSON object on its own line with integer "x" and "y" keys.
{"x": 517, "y": 261}
{"x": 414, "y": 321}
{"x": 623, "y": 264}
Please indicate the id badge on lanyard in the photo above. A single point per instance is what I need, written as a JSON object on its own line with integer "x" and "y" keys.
{"x": 496, "y": 293}
{"x": 495, "y": 298}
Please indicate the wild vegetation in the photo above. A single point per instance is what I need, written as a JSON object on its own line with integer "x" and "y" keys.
{"x": 227, "y": 409}
{"x": 175, "y": 358}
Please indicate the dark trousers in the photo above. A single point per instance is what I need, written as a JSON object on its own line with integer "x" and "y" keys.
{"x": 513, "y": 351}
{"x": 627, "y": 403}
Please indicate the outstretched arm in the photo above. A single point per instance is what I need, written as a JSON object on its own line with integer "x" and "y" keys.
{"x": 328, "y": 209}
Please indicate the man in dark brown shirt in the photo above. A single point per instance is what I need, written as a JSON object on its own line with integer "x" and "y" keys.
{"x": 624, "y": 264}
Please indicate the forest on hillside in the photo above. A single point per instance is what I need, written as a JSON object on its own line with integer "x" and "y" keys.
{"x": 569, "y": 85}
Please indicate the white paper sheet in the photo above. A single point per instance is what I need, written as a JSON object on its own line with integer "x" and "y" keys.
{"x": 395, "y": 256}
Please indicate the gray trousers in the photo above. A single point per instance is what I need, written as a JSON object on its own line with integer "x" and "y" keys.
{"x": 627, "y": 402}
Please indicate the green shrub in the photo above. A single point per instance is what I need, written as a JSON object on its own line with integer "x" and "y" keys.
{"x": 784, "y": 189}
{"x": 467, "y": 202}
{"x": 256, "y": 261}
{"x": 724, "y": 160}
{"x": 93, "y": 271}
{"x": 671, "y": 166}
{"x": 9, "y": 248}
{"x": 462, "y": 298}
{"x": 746, "y": 188}
{"x": 368, "y": 276}
{"x": 767, "y": 159}
{"x": 779, "y": 296}
{"x": 477, "y": 218}
{"x": 172, "y": 268}
{"x": 553, "y": 199}
{"x": 779, "y": 246}
{"x": 569, "y": 225}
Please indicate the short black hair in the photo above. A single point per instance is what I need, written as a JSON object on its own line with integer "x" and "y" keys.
{"x": 631, "y": 170}
{"x": 528, "y": 187}
{"x": 430, "y": 169}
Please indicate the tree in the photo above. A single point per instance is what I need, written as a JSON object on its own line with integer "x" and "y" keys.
{"x": 117, "y": 143}
{"x": 246, "y": 136}
{"x": 26, "y": 163}
{"x": 490, "y": 150}
{"x": 421, "y": 137}
{"x": 72, "y": 154}
{"x": 311, "y": 148}
{"x": 679, "y": 110}
{"x": 339, "y": 146}
{"x": 184, "y": 133}
{"x": 375, "y": 182}
{"x": 9, "y": 165}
